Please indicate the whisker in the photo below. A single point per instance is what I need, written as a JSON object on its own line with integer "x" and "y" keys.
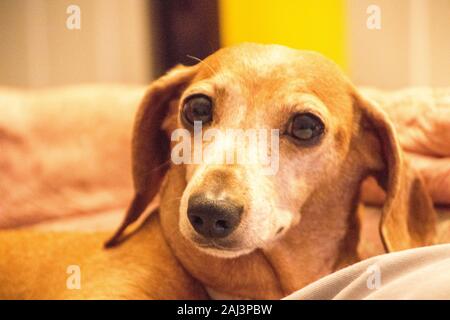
{"x": 203, "y": 62}
{"x": 160, "y": 166}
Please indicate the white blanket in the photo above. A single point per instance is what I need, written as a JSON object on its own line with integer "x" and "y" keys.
{"x": 421, "y": 273}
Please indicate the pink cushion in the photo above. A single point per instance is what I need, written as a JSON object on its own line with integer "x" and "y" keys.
{"x": 65, "y": 152}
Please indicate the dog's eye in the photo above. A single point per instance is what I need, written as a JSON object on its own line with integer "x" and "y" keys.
{"x": 197, "y": 108}
{"x": 305, "y": 127}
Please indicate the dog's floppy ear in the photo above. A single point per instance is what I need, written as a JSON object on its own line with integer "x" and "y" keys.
{"x": 408, "y": 217}
{"x": 150, "y": 145}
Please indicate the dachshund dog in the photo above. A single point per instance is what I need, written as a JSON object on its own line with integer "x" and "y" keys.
{"x": 231, "y": 229}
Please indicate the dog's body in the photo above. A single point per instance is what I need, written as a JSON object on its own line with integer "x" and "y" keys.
{"x": 275, "y": 234}
{"x": 37, "y": 265}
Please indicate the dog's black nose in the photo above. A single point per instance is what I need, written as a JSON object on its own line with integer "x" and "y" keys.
{"x": 213, "y": 218}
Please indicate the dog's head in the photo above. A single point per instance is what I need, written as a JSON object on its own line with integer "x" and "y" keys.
{"x": 306, "y": 121}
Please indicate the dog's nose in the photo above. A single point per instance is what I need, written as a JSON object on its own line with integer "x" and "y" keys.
{"x": 213, "y": 218}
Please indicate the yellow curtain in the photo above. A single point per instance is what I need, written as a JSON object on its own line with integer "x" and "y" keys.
{"x": 313, "y": 25}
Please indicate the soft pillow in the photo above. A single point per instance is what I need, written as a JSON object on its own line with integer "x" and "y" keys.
{"x": 65, "y": 151}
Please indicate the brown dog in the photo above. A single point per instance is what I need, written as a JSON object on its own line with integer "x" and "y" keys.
{"x": 266, "y": 236}
{"x": 238, "y": 232}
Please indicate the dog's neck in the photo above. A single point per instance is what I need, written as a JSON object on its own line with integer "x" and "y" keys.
{"x": 324, "y": 241}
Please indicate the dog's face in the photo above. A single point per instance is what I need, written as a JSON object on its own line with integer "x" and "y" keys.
{"x": 231, "y": 208}
{"x": 310, "y": 123}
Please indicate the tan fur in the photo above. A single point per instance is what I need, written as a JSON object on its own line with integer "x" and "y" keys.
{"x": 313, "y": 197}
{"x": 34, "y": 266}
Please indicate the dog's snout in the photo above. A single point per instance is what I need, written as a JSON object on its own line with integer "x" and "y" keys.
{"x": 213, "y": 218}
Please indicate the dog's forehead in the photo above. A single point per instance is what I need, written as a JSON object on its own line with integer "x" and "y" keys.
{"x": 278, "y": 68}
{"x": 267, "y": 61}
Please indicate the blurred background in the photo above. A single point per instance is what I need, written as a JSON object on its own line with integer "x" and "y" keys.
{"x": 135, "y": 41}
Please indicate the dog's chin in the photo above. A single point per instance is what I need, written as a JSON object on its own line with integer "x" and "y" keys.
{"x": 218, "y": 248}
